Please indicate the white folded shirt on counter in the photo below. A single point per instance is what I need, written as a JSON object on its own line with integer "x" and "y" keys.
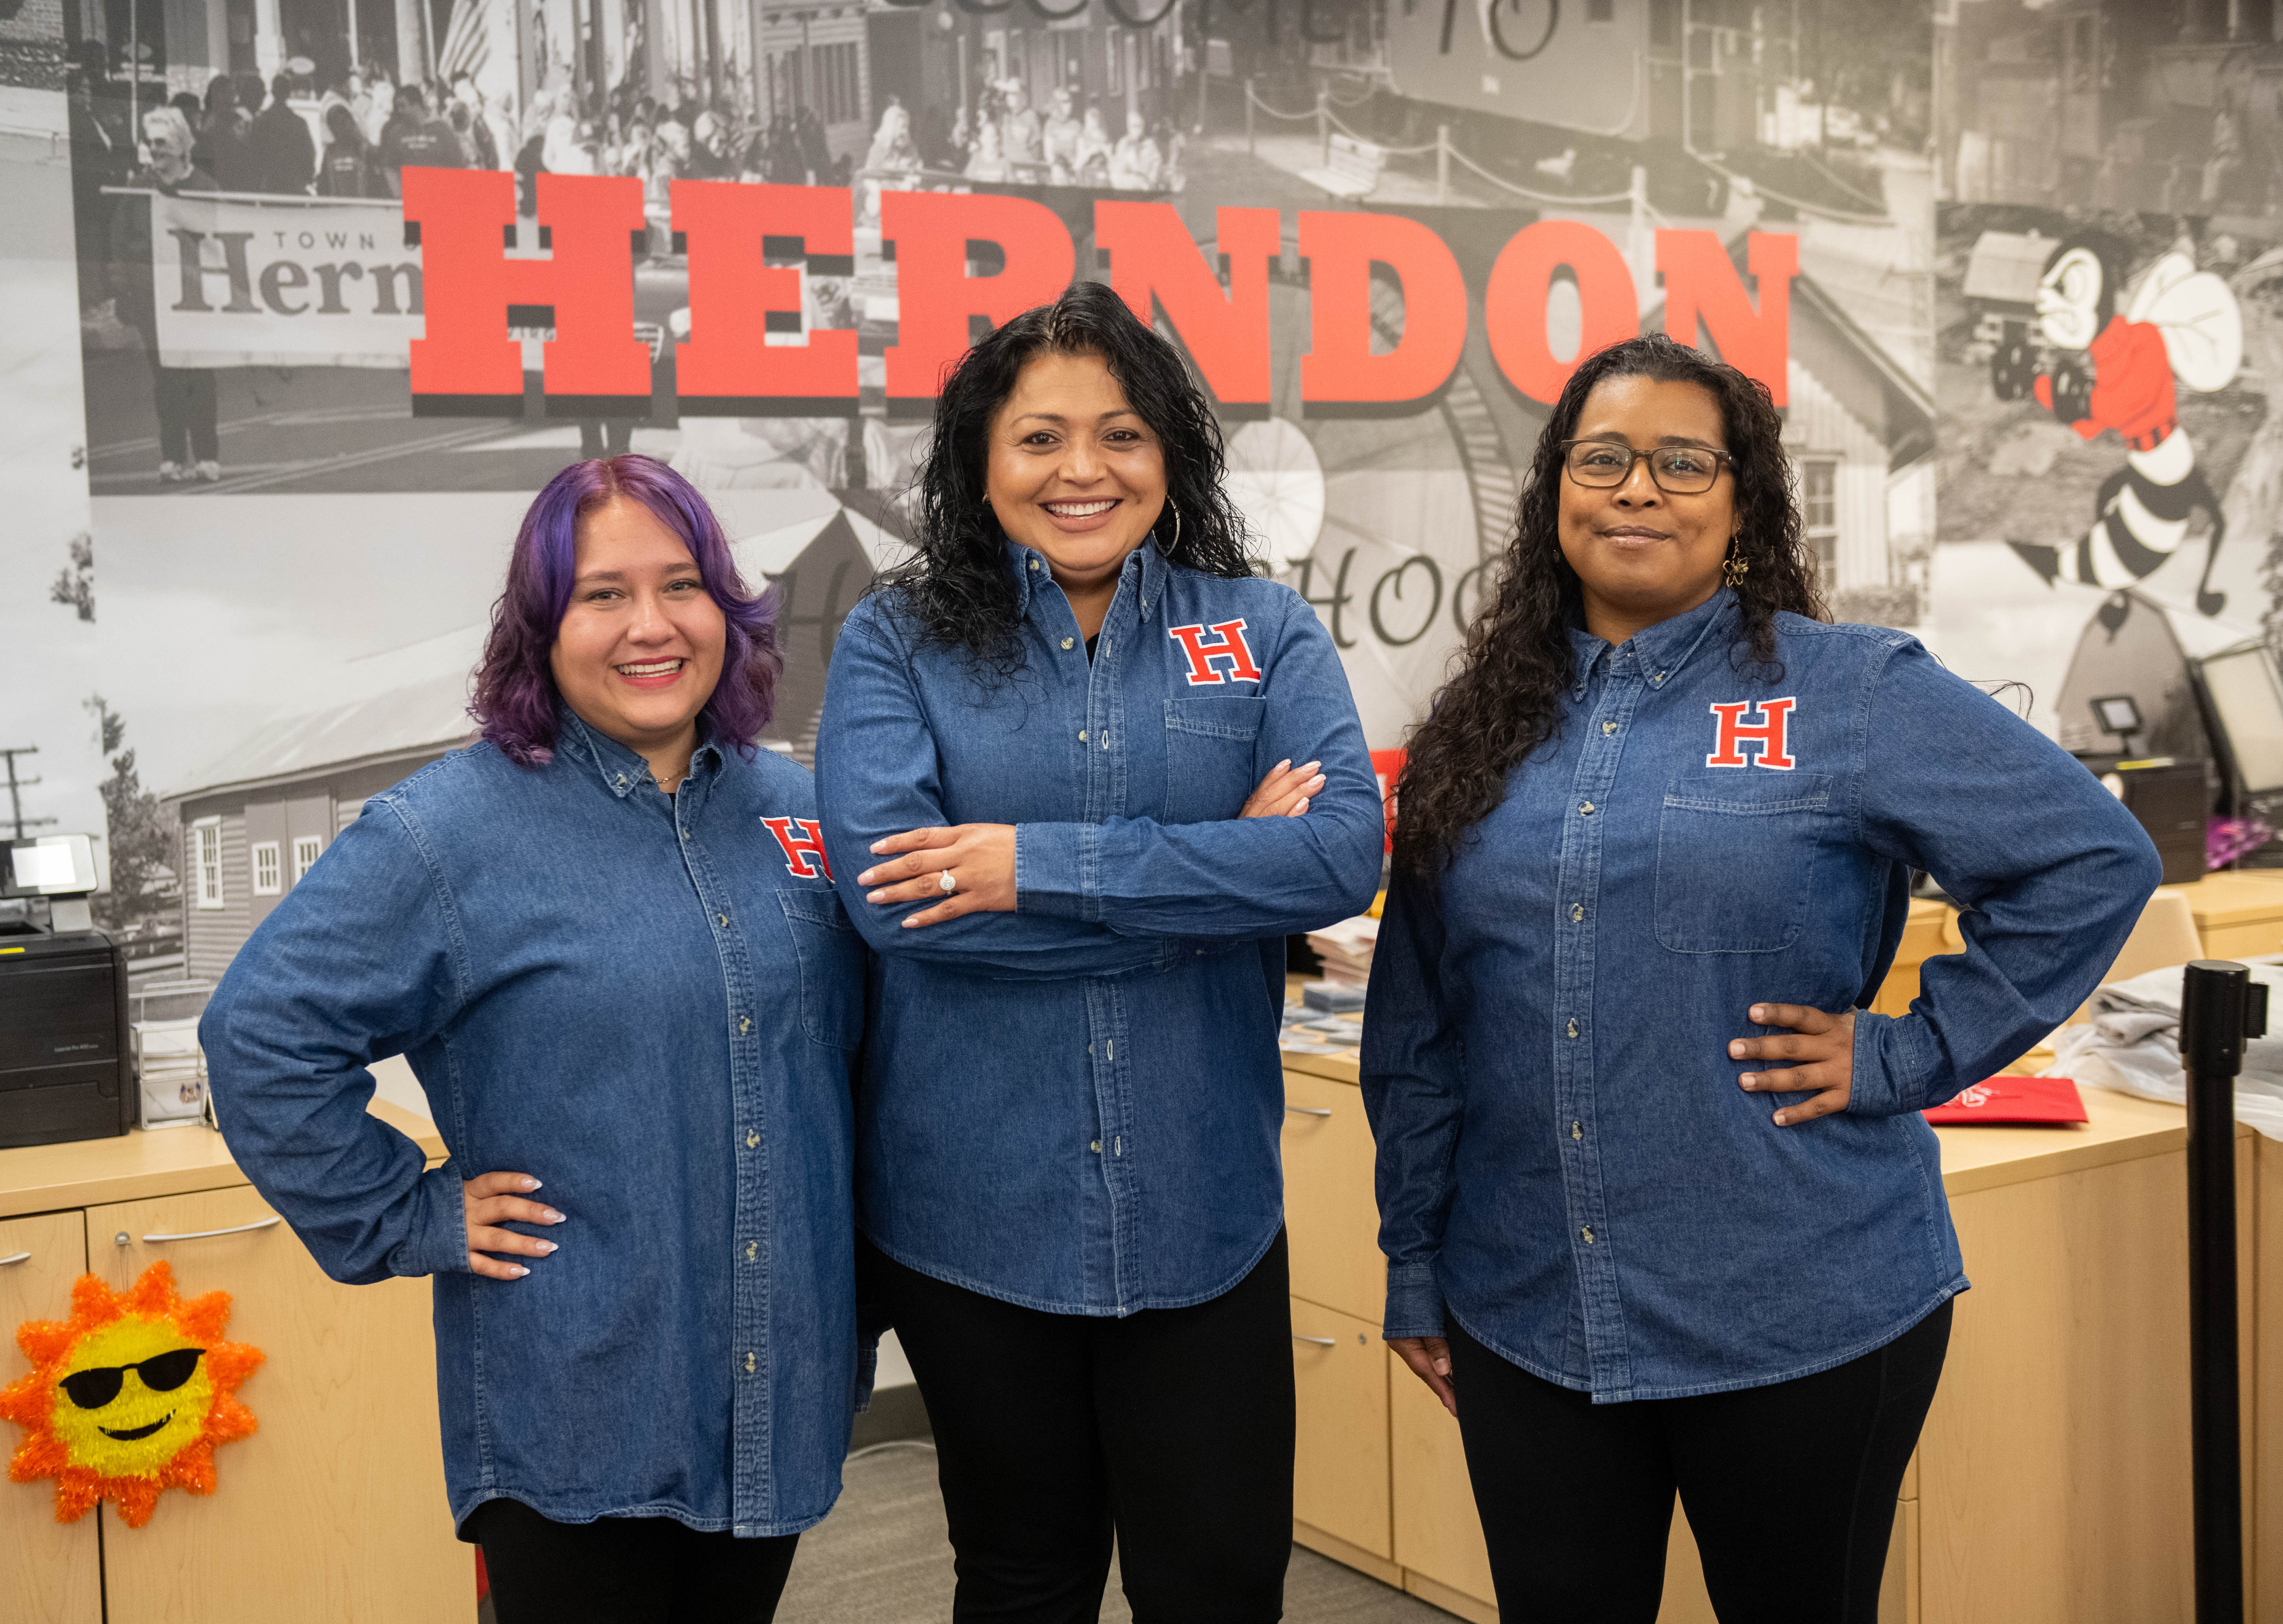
{"x": 2132, "y": 1046}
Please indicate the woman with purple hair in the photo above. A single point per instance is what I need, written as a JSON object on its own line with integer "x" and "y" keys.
{"x": 606, "y": 938}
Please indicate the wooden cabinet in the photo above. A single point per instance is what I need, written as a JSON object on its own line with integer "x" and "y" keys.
{"x": 49, "y": 1572}
{"x": 2053, "y": 1471}
{"x": 1333, "y": 1238}
{"x": 1339, "y": 1461}
{"x": 2051, "y": 1482}
{"x": 334, "y": 1509}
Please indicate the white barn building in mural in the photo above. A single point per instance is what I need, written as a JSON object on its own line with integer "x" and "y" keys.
{"x": 255, "y": 822}
{"x": 1860, "y": 431}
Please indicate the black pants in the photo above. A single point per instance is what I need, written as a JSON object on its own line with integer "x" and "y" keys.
{"x": 1172, "y": 1428}
{"x": 625, "y": 1570}
{"x": 1790, "y": 1489}
{"x": 184, "y": 397}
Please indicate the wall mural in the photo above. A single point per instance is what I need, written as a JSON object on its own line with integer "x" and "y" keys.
{"x": 308, "y": 297}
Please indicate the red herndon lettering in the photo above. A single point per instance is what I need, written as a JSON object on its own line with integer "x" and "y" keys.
{"x": 466, "y": 362}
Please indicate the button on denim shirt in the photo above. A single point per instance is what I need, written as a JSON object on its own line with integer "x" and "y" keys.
{"x": 1075, "y": 1105}
{"x": 653, "y": 1006}
{"x": 1565, "y": 1157}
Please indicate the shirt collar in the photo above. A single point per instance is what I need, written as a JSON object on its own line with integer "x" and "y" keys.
{"x": 622, "y": 771}
{"x": 1662, "y": 649}
{"x": 1145, "y": 566}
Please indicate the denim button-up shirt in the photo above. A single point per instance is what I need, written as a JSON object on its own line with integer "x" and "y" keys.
{"x": 1075, "y": 1106}
{"x": 1565, "y": 1157}
{"x": 653, "y": 1006}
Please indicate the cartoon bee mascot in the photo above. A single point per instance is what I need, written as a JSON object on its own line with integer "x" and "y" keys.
{"x": 2106, "y": 354}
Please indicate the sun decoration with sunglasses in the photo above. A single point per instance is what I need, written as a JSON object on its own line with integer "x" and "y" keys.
{"x": 129, "y": 1396}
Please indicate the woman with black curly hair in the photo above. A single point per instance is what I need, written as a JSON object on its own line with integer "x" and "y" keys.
{"x": 1057, "y": 768}
{"x": 1661, "y": 822}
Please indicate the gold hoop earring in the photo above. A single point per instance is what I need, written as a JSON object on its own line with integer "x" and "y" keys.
{"x": 1737, "y": 567}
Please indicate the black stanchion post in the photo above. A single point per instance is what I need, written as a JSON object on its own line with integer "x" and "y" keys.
{"x": 2220, "y": 1007}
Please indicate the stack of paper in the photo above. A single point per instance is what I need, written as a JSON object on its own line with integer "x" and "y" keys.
{"x": 1345, "y": 949}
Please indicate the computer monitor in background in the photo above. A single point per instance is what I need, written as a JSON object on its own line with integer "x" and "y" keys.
{"x": 2243, "y": 707}
{"x": 48, "y": 866}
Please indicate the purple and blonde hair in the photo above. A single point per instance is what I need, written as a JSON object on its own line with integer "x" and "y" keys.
{"x": 515, "y": 699}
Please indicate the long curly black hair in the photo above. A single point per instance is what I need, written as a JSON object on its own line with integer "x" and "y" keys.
{"x": 958, "y": 593}
{"x": 1505, "y": 699}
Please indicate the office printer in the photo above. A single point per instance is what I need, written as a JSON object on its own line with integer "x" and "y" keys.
{"x": 67, "y": 1070}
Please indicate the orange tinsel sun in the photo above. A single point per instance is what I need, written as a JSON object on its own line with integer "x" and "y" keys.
{"x": 128, "y": 1397}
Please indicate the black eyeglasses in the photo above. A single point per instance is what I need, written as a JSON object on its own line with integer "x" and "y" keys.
{"x": 1678, "y": 471}
{"x": 163, "y": 1373}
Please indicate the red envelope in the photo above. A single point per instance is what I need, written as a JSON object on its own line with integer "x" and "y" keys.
{"x": 2012, "y": 1100}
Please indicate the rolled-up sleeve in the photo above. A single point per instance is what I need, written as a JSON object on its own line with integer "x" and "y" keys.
{"x": 1414, "y": 1074}
{"x": 2051, "y": 873}
{"x": 360, "y": 961}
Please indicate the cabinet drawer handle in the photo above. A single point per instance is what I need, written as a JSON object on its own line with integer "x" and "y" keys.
{"x": 208, "y": 1234}
{"x": 1310, "y": 1110}
{"x": 20, "y": 1257}
{"x": 1320, "y": 1341}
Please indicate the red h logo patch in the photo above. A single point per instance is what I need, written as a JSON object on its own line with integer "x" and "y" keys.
{"x": 804, "y": 847}
{"x": 1769, "y": 733}
{"x": 1228, "y": 644}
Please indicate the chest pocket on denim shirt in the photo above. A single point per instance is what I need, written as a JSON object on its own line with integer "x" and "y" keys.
{"x": 1736, "y": 859}
{"x": 831, "y": 967}
{"x": 1209, "y": 756}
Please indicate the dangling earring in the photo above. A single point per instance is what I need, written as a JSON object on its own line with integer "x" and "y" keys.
{"x": 1738, "y": 566}
{"x": 1176, "y": 541}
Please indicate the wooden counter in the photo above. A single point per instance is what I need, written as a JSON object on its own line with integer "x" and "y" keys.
{"x": 335, "y": 1508}
{"x": 139, "y": 1164}
{"x": 2052, "y": 1480}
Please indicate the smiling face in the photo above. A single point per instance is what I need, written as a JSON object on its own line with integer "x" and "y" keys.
{"x": 2068, "y": 299}
{"x": 169, "y": 144}
{"x": 1073, "y": 471}
{"x": 640, "y": 649}
{"x": 131, "y": 1421}
{"x": 1643, "y": 554}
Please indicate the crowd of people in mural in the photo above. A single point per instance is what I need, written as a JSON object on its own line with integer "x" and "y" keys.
{"x": 354, "y": 135}
{"x": 1000, "y": 136}
{"x": 249, "y": 137}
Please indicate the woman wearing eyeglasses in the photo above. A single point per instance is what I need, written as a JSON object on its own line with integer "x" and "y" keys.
{"x": 1659, "y": 1210}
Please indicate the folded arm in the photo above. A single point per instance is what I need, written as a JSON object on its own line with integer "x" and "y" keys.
{"x": 1240, "y": 878}
{"x": 878, "y": 775}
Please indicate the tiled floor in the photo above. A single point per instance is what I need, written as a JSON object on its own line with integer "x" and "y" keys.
{"x": 882, "y": 1557}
